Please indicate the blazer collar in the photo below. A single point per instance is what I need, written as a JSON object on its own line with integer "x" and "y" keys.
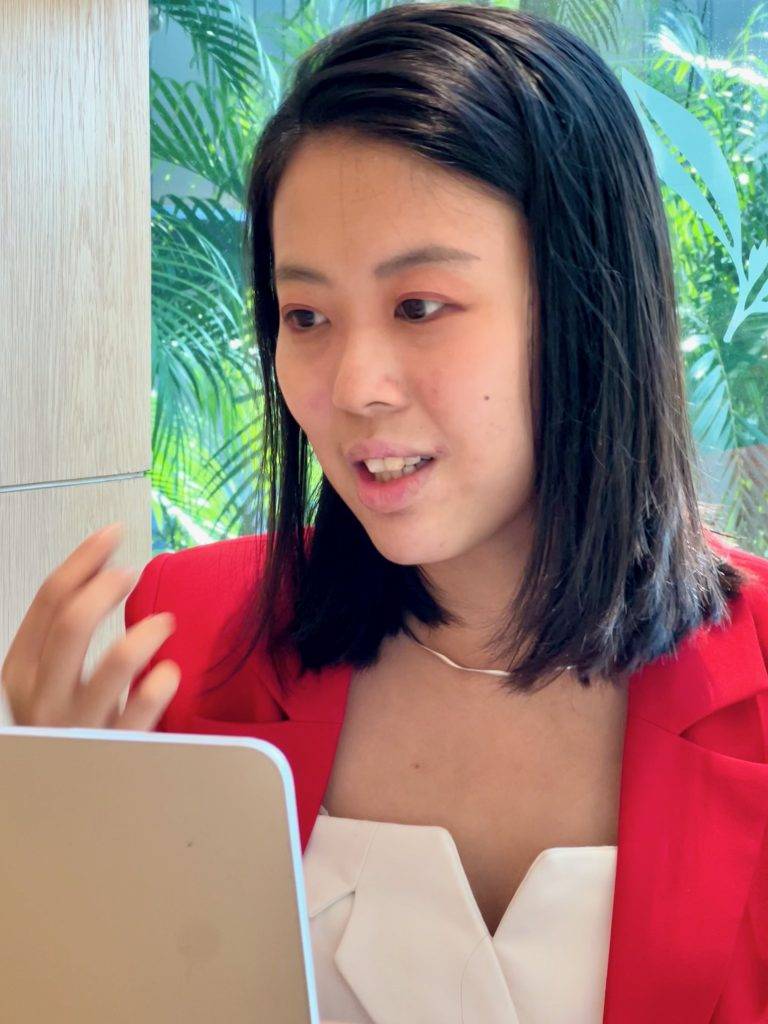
{"x": 692, "y": 824}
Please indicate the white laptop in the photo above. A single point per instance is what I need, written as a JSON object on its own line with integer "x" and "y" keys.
{"x": 150, "y": 877}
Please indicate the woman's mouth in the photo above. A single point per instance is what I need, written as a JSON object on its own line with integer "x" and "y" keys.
{"x": 390, "y": 495}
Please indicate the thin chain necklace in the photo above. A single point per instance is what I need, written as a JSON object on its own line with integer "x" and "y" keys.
{"x": 447, "y": 660}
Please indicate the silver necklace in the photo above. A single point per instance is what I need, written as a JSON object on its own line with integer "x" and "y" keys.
{"x": 485, "y": 671}
{"x": 447, "y": 660}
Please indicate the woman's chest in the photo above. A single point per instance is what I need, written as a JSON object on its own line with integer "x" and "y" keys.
{"x": 506, "y": 782}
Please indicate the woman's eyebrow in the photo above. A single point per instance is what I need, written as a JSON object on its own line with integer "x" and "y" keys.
{"x": 410, "y": 258}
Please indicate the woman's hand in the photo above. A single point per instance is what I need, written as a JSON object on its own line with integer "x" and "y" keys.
{"x": 41, "y": 673}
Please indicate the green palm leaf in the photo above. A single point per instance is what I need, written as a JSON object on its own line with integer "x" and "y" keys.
{"x": 197, "y": 314}
{"x": 596, "y": 21}
{"x": 224, "y": 40}
{"x": 188, "y": 130}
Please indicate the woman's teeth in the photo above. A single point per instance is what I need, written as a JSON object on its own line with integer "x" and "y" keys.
{"x": 392, "y": 468}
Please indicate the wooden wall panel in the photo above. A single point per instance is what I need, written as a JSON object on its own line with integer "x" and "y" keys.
{"x": 75, "y": 288}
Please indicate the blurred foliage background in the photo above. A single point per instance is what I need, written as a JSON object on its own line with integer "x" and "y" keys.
{"x": 706, "y": 114}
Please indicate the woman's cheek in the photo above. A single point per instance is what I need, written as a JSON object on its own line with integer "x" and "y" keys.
{"x": 311, "y": 410}
{"x": 292, "y": 385}
{"x": 316, "y": 403}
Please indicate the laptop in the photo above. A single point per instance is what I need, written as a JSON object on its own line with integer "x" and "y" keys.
{"x": 150, "y": 877}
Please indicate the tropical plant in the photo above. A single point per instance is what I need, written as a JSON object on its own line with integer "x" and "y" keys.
{"x": 205, "y": 436}
{"x": 706, "y": 119}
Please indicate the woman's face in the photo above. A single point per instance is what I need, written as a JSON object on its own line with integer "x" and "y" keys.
{"x": 431, "y": 355}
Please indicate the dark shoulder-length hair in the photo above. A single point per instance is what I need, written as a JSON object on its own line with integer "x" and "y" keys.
{"x": 620, "y": 567}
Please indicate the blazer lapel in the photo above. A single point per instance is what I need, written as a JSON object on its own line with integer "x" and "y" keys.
{"x": 409, "y": 888}
{"x": 692, "y": 823}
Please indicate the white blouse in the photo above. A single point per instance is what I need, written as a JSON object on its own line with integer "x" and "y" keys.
{"x": 398, "y": 937}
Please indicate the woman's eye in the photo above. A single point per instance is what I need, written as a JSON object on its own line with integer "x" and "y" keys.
{"x": 416, "y": 305}
{"x": 422, "y": 302}
{"x": 300, "y": 313}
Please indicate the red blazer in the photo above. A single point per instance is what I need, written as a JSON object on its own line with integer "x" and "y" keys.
{"x": 689, "y": 934}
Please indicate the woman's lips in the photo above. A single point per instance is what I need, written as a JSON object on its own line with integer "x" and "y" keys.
{"x": 391, "y": 495}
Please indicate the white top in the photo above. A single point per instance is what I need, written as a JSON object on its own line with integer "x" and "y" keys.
{"x": 398, "y": 937}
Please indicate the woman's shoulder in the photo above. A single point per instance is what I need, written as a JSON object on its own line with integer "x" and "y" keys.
{"x": 754, "y": 568}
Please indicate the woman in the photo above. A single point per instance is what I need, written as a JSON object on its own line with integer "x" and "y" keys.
{"x": 522, "y": 688}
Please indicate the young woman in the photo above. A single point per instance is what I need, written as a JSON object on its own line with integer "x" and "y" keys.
{"x": 522, "y": 687}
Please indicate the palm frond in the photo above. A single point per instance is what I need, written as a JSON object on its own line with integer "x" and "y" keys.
{"x": 227, "y": 41}
{"x": 189, "y": 131}
{"x": 197, "y": 324}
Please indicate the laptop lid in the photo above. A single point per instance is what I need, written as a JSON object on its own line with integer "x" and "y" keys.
{"x": 150, "y": 877}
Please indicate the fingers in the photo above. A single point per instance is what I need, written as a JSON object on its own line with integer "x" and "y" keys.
{"x": 19, "y": 668}
{"x": 148, "y": 702}
{"x": 96, "y": 702}
{"x": 78, "y": 567}
{"x": 42, "y": 669}
{"x": 70, "y": 633}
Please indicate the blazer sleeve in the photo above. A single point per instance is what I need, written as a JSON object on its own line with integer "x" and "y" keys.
{"x": 142, "y": 602}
